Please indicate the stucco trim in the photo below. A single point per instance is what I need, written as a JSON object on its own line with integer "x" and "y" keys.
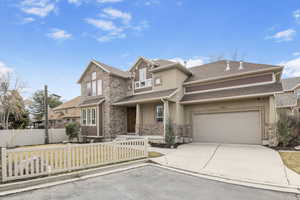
{"x": 227, "y": 98}
{"x": 233, "y": 75}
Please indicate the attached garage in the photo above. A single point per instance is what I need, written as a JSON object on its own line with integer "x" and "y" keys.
{"x": 243, "y": 127}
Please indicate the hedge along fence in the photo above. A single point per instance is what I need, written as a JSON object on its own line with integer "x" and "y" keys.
{"x": 24, "y": 163}
{"x": 23, "y": 137}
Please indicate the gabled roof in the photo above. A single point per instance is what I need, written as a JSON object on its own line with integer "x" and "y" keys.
{"x": 217, "y": 70}
{"x": 289, "y": 84}
{"x": 69, "y": 104}
{"x": 106, "y": 68}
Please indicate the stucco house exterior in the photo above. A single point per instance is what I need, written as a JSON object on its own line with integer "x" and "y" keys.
{"x": 222, "y": 101}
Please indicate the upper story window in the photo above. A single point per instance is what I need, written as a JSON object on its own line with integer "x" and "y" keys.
{"x": 94, "y": 87}
{"x": 159, "y": 113}
{"x": 88, "y": 88}
{"x": 99, "y": 87}
{"x": 143, "y": 81}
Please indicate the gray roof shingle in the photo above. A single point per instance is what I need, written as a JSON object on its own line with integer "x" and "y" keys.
{"x": 217, "y": 69}
{"x": 290, "y": 83}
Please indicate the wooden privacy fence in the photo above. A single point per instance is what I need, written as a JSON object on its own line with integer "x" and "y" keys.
{"x": 25, "y": 162}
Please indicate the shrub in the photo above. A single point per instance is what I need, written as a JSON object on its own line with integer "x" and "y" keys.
{"x": 170, "y": 136}
{"x": 73, "y": 130}
{"x": 288, "y": 127}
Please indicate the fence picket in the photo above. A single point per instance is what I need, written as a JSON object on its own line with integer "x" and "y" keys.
{"x": 22, "y": 163}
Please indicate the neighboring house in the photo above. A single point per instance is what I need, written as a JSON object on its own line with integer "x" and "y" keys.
{"x": 223, "y": 101}
{"x": 65, "y": 113}
{"x": 289, "y": 98}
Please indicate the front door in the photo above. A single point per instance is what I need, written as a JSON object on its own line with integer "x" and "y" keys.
{"x": 131, "y": 116}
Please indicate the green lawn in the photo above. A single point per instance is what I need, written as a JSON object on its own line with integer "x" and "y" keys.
{"x": 291, "y": 160}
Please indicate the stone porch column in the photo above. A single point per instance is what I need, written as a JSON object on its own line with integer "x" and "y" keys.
{"x": 166, "y": 116}
{"x": 138, "y": 120}
{"x": 273, "y": 140}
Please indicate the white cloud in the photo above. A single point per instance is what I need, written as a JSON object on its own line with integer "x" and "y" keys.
{"x": 104, "y": 25}
{"x": 296, "y": 54}
{"x": 292, "y": 67}
{"x": 152, "y": 2}
{"x": 4, "y": 69}
{"x": 189, "y": 62}
{"x": 117, "y": 14}
{"x": 28, "y": 20}
{"x": 284, "y": 36}
{"x": 40, "y": 8}
{"x": 141, "y": 26}
{"x": 111, "y": 36}
{"x": 296, "y": 15}
{"x": 109, "y": 1}
{"x": 59, "y": 34}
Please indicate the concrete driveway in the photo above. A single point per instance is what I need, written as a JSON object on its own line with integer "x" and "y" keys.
{"x": 253, "y": 163}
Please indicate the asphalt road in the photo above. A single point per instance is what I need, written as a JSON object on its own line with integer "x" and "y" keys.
{"x": 150, "y": 183}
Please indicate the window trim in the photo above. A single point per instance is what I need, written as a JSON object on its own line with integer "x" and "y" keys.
{"x": 157, "y": 117}
{"x": 89, "y": 116}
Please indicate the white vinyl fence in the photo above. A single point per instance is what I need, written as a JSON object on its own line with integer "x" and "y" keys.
{"x": 23, "y": 137}
{"x": 25, "y": 162}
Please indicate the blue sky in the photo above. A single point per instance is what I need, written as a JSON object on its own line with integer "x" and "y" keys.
{"x": 52, "y": 41}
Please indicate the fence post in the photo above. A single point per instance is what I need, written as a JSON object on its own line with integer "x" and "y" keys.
{"x": 146, "y": 147}
{"x": 3, "y": 164}
{"x": 69, "y": 157}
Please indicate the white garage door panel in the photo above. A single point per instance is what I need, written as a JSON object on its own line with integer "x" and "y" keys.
{"x": 235, "y": 127}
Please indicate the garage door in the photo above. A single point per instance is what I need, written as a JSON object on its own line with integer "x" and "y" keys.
{"x": 233, "y": 127}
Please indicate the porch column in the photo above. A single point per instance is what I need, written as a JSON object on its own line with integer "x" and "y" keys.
{"x": 138, "y": 120}
{"x": 272, "y": 136}
{"x": 166, "y": 116}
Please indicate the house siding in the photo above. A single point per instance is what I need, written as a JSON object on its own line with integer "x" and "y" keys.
{"x": 230, "y": 83}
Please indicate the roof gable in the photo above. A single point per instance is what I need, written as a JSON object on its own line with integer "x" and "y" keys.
{"x": 289, "y": 84}
{"x": 106, "y": 68}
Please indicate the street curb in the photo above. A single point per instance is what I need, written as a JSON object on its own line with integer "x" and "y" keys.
{"x": 247, "y": 183}
{"x": 22, "y": 186}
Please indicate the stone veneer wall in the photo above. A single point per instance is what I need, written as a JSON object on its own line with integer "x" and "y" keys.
{"x": 117, "y": 114}
{"x": 152, "y": 129}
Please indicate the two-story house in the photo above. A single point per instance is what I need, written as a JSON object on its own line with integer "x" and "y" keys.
{"x": 223, "y": 101}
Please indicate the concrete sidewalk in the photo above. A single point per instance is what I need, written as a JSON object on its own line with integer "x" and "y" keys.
{"x": 252, "y": 163}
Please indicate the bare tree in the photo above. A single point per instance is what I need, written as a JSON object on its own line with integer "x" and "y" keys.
{"x": 11, "y": 102}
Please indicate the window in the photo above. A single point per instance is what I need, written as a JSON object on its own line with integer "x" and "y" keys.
{"x": 94, "y": 88}
{"x": 93, "y": 116}
{"x": 88, "y": 88}
{"x": 157, "y": 81}
{"x": 88, "y": 116}
{"x": 88, "y": 113}
{"x": 83, "y": 116}
{"x": 99, "y": 87}
{"x": 94, "y": 76}
{"x": 142, "y": 73}
{"x": 159, "y": 113}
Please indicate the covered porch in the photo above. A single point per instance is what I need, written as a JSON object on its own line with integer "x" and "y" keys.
{"x": 148, "y": 117}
